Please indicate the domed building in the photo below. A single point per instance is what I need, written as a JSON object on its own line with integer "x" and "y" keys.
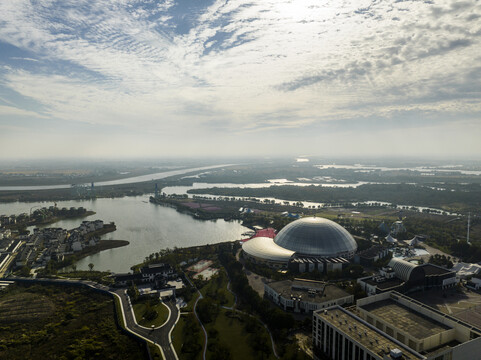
{"x": 306, "y": 244}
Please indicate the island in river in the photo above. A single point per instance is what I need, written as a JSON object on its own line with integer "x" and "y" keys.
{"x": 50, "y": 248}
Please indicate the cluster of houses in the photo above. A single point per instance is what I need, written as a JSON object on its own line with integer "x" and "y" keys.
{"x": 42, "y": 246}
{"x": 40, "y": 214}
{"x": 8, "y": 246}
{"x": 12, "y": 219}
{"x": 46, "y": 244}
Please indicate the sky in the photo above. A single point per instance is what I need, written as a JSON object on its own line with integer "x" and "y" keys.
{"x": 127, "y": 78}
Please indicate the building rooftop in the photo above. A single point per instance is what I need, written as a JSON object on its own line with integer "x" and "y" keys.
{"x": 404, "y": 319}
{"x": 385, "y": 284}
{"x": 364, "y": 333}
{"x": 316, "y": 236}
{"x": 430, "y": 269}
{"x": 266, "y": 248}
{"x": 311, "y": 291}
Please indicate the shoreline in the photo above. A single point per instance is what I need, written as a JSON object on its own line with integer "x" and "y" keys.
{"x": 92, "y": 250}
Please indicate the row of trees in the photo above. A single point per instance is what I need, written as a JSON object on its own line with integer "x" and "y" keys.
{"x": 391, "y": 193}
{"x": 278, "y": 321}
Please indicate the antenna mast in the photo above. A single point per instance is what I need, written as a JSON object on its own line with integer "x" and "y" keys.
{"x": 469, "y": 221}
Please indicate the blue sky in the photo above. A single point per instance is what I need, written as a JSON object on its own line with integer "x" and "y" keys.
{"x": 151, "y": 78}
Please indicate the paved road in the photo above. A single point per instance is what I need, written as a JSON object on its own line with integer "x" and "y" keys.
{"x": 158, "y": 336}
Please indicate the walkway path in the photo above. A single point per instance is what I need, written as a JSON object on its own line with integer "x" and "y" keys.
{"x": 197, "y": 316}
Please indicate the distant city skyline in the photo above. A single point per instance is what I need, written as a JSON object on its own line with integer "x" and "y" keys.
{"x": 115, "y": 79}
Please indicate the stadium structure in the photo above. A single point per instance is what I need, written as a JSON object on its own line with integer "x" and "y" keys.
{"x": 307, "y": 244}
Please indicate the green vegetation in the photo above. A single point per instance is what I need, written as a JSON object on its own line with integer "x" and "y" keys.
{"x": 191, "y": 338}
{"x": 441, "y": 260}
{"x": 47, "y": 322}
{"x": 102, "y": 277}
{"x": 150, "y": 312}
{"x": 182, "y": 332}
{"x": 118, "y": 312}
{"x": 177, "y": 334}
{"x": 278, "y": 321}
{"x": 216, "y": 290}
{"x": 251, "y": 338}
{"x": 393, "y": 193}
{"x": 155, "y": 351}
{"x": 234, "y": 335}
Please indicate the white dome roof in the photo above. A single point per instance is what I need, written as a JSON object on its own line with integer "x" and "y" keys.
{"x": 317, "y": 237}
{"x": 265, "y": 248}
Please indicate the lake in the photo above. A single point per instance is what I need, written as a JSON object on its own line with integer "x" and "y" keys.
{"x": 148, "y": 227}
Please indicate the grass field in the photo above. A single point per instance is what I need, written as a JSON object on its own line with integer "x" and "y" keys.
{"x": 177, "y": 335}
{"x": 177, "y": 338}
{"x": 231, "y": 328}
{"x": 217, "y": 290}
{"x": 162, "y": 314}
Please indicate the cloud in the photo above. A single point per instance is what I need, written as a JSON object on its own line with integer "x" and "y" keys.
{"x": 239, "y": 67}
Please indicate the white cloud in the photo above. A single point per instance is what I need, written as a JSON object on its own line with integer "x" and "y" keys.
{"x": 245, "y": 67}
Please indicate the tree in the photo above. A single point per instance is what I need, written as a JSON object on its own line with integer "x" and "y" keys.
{"x": 25, "y": 271}
{"x": 91, "y": 266}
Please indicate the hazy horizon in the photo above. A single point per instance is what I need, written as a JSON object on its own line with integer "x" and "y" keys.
{"x": 150, "y": 79}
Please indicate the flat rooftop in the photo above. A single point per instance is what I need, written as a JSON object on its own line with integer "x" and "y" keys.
{"x": 405, "y": 319}
{"x": 299, "y": 288}
{"x": 386, "y": 283}
{"x": 363, "y": 333}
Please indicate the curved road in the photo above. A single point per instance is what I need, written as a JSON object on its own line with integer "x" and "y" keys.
{"x": 160, "y": 336}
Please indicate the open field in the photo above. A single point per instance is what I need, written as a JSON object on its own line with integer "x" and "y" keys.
{"x": 48, "y": 322}
{"x": 26, "y": 308}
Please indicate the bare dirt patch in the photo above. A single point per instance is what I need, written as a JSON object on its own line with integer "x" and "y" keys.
{"x": 25, "y": 307}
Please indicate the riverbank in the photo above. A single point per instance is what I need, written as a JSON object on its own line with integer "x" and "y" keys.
{"x": 101, "y": 246}
{"x": 49, "y": 220}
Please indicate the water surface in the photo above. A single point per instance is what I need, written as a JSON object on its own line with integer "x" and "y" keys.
{"x": 149, "y": 228}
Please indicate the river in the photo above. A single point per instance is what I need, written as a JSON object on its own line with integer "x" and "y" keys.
{"x": 129, "y": 180}
{"x": 148, "y": 227}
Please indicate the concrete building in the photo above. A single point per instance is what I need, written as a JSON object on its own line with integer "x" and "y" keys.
{"x": 464, "y": 270}
{"x": 406, "y": 277}
{"x": 305, "y": 296}
{"x": 369, "y": 256}
{"x": 392, "y": 326}
{"x": 152, "y": 273}
{"x": 474, "y": 283}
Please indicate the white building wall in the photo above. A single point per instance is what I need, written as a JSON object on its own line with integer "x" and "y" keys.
{"x": 468, "y": 351}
